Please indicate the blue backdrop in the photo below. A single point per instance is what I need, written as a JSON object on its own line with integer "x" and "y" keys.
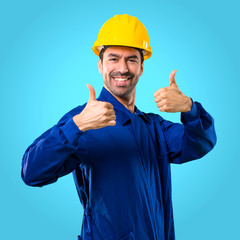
{"x": 45, "y": 63}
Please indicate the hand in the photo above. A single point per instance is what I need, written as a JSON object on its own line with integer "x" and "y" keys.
{"x": 171, "y": 99}
{"x": 96, "y": 114}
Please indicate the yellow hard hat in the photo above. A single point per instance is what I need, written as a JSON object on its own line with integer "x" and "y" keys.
{"x": 123, "y": 30}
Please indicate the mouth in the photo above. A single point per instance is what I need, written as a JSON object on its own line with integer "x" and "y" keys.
{"x": 121, "y": 81}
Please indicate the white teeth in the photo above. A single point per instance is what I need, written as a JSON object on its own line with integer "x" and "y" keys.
{"x": 121, "y": 79}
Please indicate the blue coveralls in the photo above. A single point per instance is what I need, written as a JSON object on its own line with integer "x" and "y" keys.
{"x": 122, "y": 172}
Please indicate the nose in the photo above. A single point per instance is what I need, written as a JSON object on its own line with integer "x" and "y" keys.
{"x": 122, "y": 67}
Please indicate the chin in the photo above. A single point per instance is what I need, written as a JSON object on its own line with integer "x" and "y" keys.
{"x": 122, "y": 93}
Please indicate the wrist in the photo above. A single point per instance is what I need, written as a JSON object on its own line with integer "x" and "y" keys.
{"x": 79, "y": 123}
{"x": 188, "y": 104}
{"x": 71, "y": 131}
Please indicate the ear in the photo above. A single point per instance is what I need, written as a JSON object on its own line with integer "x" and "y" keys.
{"x": 141, "y": 72}
{"x": 100, "y": 65}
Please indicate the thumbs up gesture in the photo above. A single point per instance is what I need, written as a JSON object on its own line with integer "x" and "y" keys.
{"x": 171, "y": 99}
{"x": 96, "y": 114}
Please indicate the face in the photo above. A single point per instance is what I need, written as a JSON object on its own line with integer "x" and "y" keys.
{"x": 121, "y": 68}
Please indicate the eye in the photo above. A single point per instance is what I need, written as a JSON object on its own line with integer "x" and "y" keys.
{"x": 133, "y": 60}
{"x": 112, "y": 59}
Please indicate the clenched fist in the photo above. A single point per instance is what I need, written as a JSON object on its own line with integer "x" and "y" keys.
{"x": 171, "y": 99}
{"x": 96, "y": 114}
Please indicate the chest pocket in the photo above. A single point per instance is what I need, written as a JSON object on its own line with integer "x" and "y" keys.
{"x": 145, "y": 141}
{"x": 108, "y": 144}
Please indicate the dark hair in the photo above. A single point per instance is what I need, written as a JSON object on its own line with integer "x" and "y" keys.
{"x": 105, "y": 47}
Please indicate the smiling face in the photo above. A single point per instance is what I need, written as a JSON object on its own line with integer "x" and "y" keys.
{"x": 121, "y": 68}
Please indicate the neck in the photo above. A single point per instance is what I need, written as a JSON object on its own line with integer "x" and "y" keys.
{"x": 128, "y": 101}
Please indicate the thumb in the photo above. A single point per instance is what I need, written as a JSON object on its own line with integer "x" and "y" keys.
{"x": 172, "y": 78}
{"x": 92, "y": 95}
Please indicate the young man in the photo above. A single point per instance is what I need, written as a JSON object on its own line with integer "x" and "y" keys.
{"x": 120, "y": 157}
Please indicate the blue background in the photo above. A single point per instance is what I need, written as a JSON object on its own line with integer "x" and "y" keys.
{"x": 45, "y": 63}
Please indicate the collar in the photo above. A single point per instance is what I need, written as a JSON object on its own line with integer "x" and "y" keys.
{"x": 122, "y": 113}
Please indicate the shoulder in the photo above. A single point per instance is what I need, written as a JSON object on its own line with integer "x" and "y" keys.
{"x": 153, "y": 117}
{"x": 159, "y": 122}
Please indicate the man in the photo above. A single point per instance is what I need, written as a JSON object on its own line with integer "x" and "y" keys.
{"x": 120, "y": 157}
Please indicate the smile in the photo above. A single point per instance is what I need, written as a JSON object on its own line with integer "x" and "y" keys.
{"x": 121, "y": 79}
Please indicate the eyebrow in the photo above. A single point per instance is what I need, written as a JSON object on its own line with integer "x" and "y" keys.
{"x": 118, "y": 56}
{"x": 113, "y": 55}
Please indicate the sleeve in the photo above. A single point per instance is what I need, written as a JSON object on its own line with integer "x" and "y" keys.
{"x": 192, "y": 139}
{"x": 54, "y": 154}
